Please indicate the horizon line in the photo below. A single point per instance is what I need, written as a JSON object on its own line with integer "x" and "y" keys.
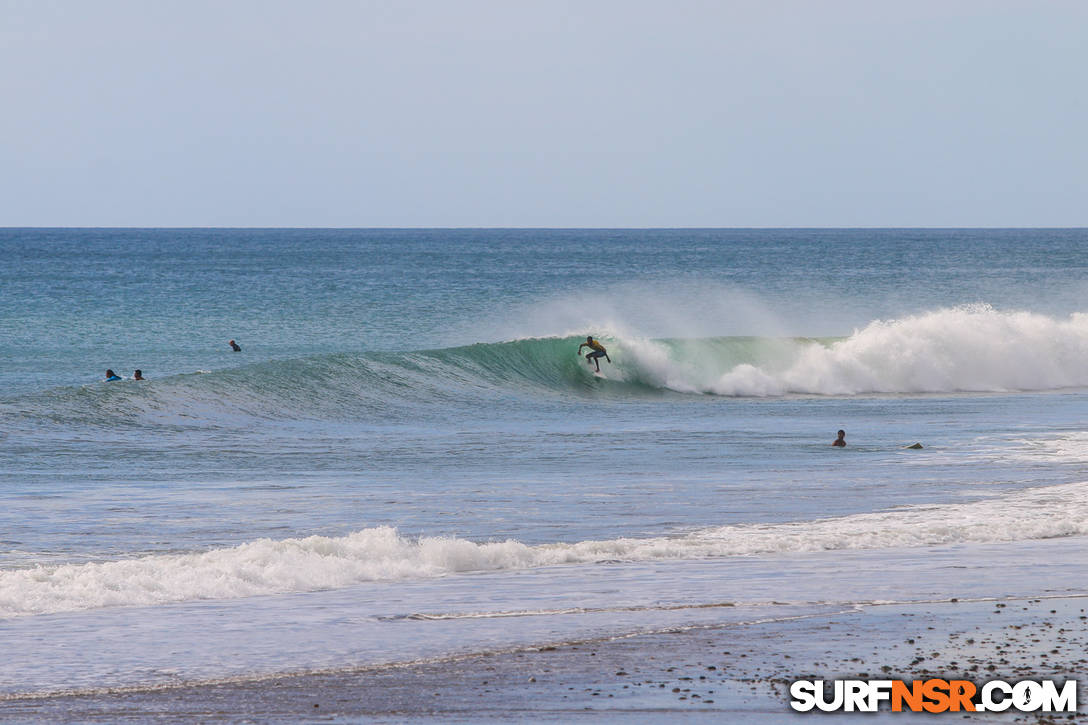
{"x": 537, "y": 228}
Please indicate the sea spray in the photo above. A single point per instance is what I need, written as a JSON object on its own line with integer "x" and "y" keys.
{"x": 966, "y": 349}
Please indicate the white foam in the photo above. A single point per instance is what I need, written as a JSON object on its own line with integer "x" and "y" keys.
{"x": 965, "y": 349}
{"x": 268, "y": 567}
{"x": 1068, "y": 448}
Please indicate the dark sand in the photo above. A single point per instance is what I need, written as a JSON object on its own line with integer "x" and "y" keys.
{"x": 717, "y": 674}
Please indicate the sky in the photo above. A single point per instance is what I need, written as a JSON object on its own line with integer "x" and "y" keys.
{"x": 519, "y": 113}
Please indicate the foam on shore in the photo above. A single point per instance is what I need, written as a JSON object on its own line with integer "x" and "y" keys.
{"x": 269, "y": 566}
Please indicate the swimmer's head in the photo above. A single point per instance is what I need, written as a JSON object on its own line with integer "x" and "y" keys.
{"x": 109, "y": 373}
{"x": 842, "y": 433}
{"x": 589, "y": 338}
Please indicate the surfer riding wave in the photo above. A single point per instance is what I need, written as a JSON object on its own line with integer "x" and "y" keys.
{"x": 597, "y": 351}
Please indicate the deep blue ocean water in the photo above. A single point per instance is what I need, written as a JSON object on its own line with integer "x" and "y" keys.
{"x": 408, "y": 420}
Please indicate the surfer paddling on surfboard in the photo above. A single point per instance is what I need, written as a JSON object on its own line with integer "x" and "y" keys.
{"x": 596, "y": 352}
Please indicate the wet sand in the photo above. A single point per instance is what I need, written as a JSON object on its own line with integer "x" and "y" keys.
{"x": 712, "y": 674}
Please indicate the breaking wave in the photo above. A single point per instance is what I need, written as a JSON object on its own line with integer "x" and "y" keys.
{"x": 271, "y": 566}
{"x": 963, "y": 349}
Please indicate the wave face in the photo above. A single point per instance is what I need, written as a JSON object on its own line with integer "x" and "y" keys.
{"x": 964, "y": 349}
{"x": 279, "y": 566}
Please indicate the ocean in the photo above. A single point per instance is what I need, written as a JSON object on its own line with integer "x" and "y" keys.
{"x": 409, "y": 461}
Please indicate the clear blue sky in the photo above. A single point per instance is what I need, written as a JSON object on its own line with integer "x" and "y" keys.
{"x": 549, "y": 113}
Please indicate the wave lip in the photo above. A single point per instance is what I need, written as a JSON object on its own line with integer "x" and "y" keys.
{"x": 381, "y": 554}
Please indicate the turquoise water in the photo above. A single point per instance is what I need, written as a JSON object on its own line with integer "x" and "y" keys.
{"x": 408, "y": 417}
{"x": 167, "y": 301}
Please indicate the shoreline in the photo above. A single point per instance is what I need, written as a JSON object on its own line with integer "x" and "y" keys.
{"x": 699, "y": 673}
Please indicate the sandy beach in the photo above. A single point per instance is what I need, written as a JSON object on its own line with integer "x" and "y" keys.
{"x": 703, "y": 674}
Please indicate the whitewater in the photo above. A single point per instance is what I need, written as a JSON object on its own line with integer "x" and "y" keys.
{"x": 297, "y": 565}
{"x": 408, "y": 435}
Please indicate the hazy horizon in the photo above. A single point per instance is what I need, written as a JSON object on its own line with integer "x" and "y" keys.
{"x": 483, "y": 114}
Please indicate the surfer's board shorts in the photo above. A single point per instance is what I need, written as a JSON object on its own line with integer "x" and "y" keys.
{"x": 595, "y": 353}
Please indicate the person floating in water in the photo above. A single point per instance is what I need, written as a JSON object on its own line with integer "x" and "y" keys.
{"x": 840, "y": 442}
{"x": 234, "y": 346}
{"x": 596, "y": 352}
{"x": 138, "y": 375}
{"x": 111, "y": 376}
